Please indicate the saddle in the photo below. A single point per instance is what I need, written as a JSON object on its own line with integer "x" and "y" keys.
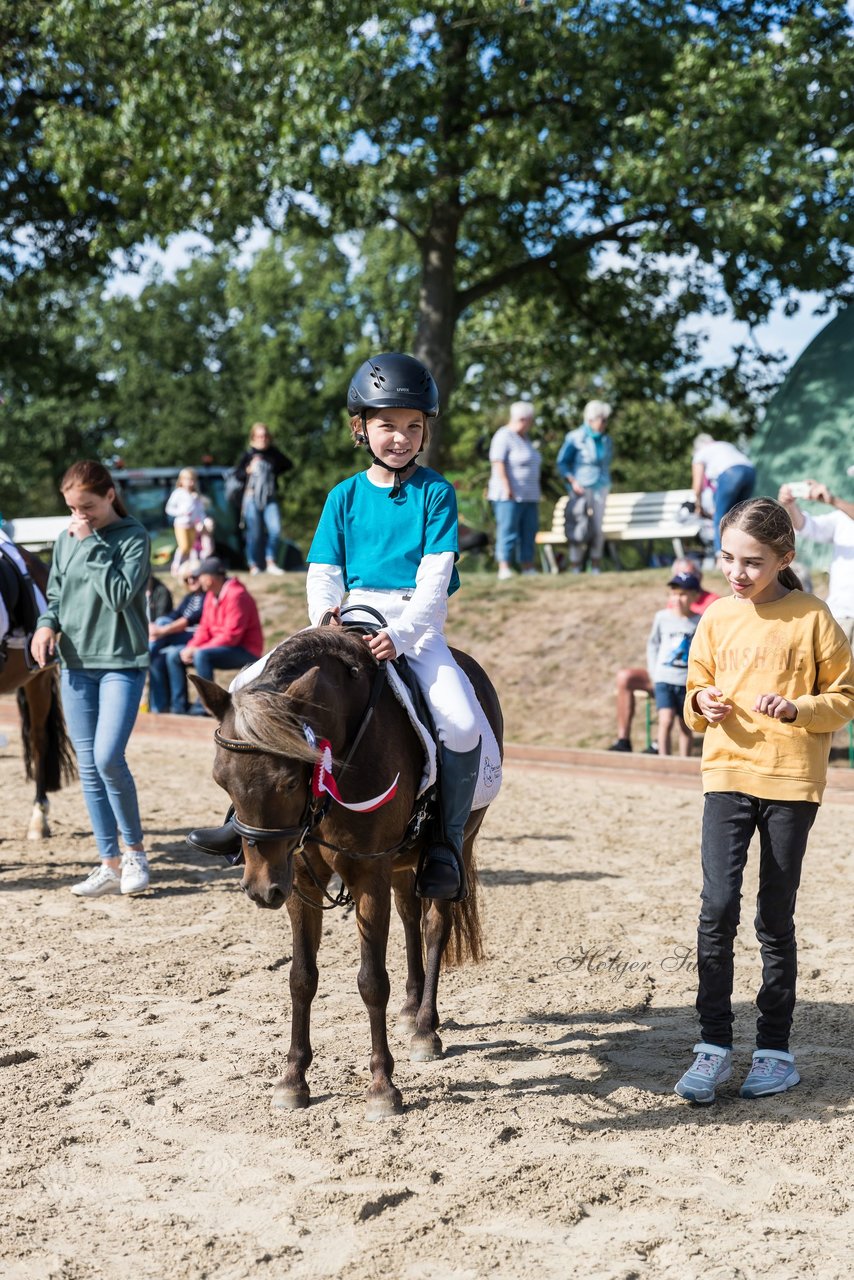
{"x": 19, "y": 596}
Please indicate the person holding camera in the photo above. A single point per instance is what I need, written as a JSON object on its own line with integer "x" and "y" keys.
{"x": 837, "y": 528}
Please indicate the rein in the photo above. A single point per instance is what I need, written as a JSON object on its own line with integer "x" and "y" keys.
{"x": 314, "y": 812}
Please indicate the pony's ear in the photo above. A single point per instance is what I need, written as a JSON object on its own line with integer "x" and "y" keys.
{"x": 304, "y": 688}
{"x": 213, "y": 696}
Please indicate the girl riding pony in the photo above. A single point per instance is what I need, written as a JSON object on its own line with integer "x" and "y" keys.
{"x": 387, "y": 538}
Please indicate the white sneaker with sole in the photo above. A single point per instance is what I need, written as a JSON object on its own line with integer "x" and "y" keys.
{"x": 712, "y": 1066}
{"x": 134, "y": 872}
{"x": 273, "y": 568}
{"x": 100, "y": 881}
{"x": 772, "y": 1071}
{"x": 504, "y": 575}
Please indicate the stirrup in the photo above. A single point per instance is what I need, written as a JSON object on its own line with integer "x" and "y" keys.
{"x": 440, "y": 859}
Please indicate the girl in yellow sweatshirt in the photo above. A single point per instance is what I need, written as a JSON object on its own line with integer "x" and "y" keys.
{"x": 770, "y": 677}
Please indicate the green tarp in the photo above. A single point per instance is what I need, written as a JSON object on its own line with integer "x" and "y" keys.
{"x": 808, "y": 430}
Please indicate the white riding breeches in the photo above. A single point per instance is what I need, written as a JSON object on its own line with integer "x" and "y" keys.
{"x": 449, "y": 695}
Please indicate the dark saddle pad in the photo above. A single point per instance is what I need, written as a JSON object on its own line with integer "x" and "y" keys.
{"x": 419, "y": 702}
{"x": 18, "y": 594}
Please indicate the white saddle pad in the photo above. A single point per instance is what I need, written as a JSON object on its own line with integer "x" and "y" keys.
{"x": 489, "y": 782}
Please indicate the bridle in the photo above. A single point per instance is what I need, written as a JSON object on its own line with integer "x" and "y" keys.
{"x": 316, "y": 808}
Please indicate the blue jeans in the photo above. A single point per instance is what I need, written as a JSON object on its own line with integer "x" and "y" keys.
{"x": 735, "y": 485}
{"x": 167, "y": 686}
{"x": 224, "y": 657}
{"x": 100, "y": 710}
{"x": 515, "y": 529}
{"x": 729, "y": 820}
{"x": 263, "y": 531}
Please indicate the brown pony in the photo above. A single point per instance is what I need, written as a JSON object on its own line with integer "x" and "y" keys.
{"x": 328, "y": 680}
{"x": 48, "y": 755}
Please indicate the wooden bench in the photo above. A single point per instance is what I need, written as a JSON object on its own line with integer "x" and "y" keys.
{"x": 629, "y": 517}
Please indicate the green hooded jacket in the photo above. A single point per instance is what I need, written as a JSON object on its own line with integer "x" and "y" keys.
{"x": 96, "y": 597}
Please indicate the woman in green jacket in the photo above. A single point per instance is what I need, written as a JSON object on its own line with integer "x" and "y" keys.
{"x": 96, "y": 617}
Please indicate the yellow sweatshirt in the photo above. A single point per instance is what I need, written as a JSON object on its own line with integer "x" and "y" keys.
{"x": 792, "y": 647}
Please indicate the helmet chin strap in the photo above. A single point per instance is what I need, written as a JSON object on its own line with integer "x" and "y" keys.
{"x": 363, "y": 439}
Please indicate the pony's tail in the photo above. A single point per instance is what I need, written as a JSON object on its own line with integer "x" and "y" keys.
{"x": 59, "y": 763}
{"x": 465, "y": 943}
{"x": 788, "y": 578}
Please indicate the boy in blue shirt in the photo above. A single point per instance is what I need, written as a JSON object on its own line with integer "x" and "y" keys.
{"x": 667, "y": 659}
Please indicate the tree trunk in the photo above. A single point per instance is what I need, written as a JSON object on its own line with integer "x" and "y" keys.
{"x": 437, "y": 314}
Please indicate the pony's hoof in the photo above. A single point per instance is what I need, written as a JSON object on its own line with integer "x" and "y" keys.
{"x": 425, "y": 1048}
{"x": 382, "y": 1106}
{"x": 405, "y": 1025}
{"x": 287, "y": 1098}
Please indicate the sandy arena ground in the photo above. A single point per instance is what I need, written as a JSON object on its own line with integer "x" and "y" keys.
{"x": 141, "y": 1038}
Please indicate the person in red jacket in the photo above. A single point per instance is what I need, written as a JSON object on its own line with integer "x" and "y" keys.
{"x": 229, "y": 633}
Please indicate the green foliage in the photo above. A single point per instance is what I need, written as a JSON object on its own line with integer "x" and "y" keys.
{"x": 510, "y": 143}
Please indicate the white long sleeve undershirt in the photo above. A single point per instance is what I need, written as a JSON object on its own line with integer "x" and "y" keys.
{"x": 324, "y": 588}
{"x": 426, "y": 609}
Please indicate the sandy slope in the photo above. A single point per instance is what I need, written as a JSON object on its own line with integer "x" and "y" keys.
{"x": 140, "y": 1040}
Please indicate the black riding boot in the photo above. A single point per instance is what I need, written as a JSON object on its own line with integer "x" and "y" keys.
{"x": 441, "y": 872}
{"x": 219, "y": 841}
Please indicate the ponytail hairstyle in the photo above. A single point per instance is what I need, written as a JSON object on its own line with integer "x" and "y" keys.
{"x": 94, "y": 477}
{"x": 769, "y": 523}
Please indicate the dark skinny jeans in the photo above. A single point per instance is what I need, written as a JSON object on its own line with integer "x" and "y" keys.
{"x": 729, "y": 820}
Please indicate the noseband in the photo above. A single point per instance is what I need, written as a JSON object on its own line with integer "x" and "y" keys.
{"x": 315, "y": 809}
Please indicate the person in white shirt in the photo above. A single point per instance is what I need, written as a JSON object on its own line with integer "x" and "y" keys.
{"x": 186, "y": 506}
{"x": 837, "y": 528}
{"x": 514, "y": 491}
{"x": 729, "y": 472}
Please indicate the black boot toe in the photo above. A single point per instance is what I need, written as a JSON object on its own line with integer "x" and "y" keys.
{"x": 219, "y": 841}
{"x": 439, "y": 876}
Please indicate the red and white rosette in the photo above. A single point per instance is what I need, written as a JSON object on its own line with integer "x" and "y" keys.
{"x": 322, "y": 782}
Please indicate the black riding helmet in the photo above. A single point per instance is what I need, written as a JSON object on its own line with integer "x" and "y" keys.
{"x": 391, "y": 381}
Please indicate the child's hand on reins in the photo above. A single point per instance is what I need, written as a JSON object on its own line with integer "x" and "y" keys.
{"x": 381, "y": 646}
{"x": 710, "y": 703}
{"x": 775, "y": 705}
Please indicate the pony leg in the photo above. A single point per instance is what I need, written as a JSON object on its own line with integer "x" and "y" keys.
{"x": 39, "y": 828}
{"x": 373, "y": 912}
{"x": 409, "y": 910}
{"x": 425, "y": 1045}
{"x": 45, "y": 744}
{"x": 291, "y": 1090}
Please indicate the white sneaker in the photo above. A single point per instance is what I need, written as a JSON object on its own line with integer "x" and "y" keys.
{"x": 134, "y": 872}
{"x": 100, "y": 881}
{"x": 254, "y": 570}
{"x": 274, "y": 569}
{"x": 504, "y": 575}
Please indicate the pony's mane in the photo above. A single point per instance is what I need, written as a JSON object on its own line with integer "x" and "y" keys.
{"x": 266, "y": 719}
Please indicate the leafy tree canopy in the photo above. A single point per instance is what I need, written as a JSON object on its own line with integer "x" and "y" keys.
{"x": 507, "y": 142}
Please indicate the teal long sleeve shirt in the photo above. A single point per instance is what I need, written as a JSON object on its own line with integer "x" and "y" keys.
{"x": 96, "y": 597}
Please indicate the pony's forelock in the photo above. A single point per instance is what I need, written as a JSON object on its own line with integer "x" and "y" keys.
{"x": 265, "y": 719}
{"x": 262, "y": 712}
